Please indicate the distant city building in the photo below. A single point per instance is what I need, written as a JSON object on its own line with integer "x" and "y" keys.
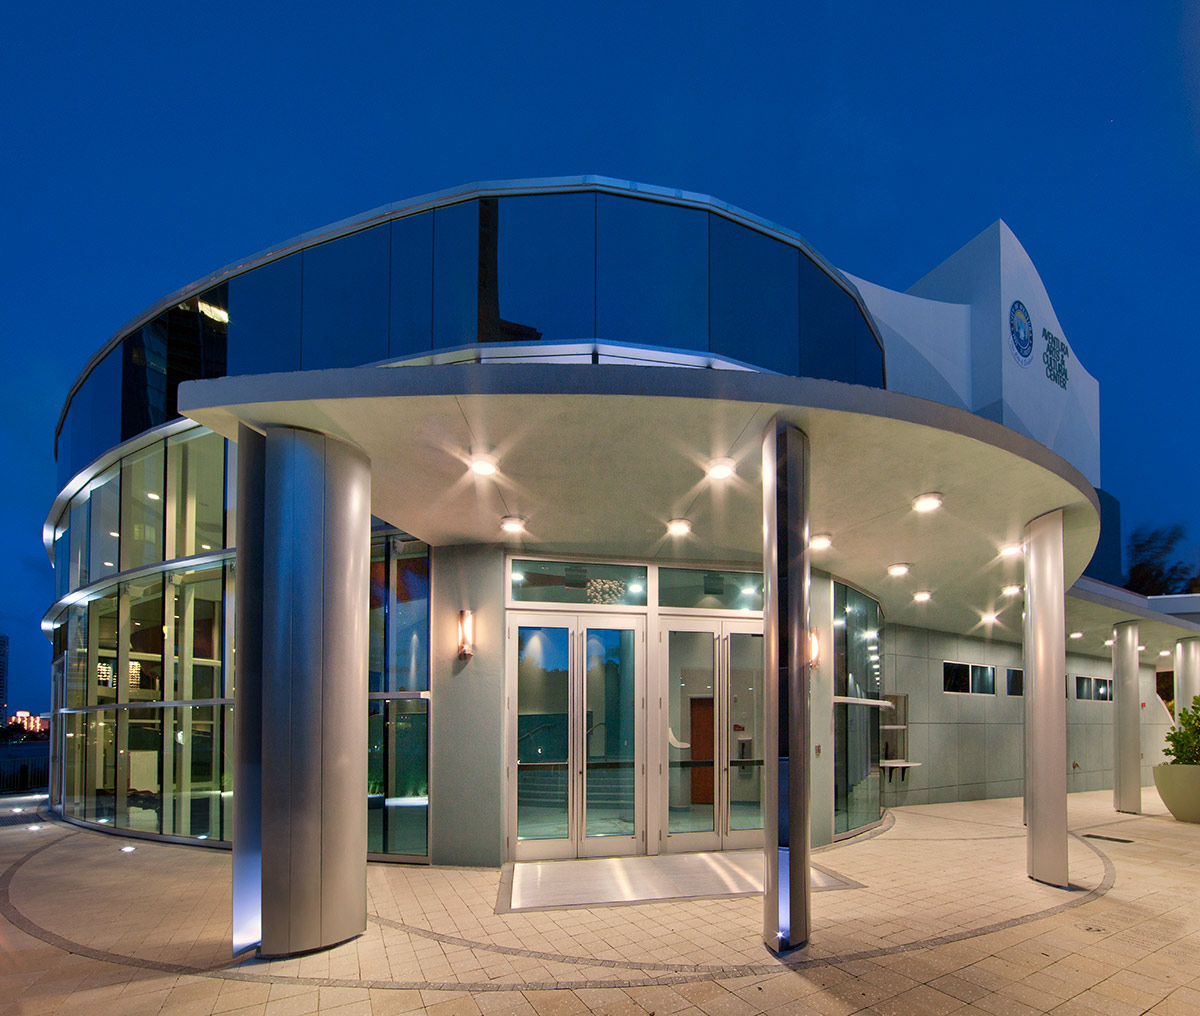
{"x": 34, "y": 724}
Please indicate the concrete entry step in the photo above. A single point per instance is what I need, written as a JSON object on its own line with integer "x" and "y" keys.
{"x": 609, "y": 881}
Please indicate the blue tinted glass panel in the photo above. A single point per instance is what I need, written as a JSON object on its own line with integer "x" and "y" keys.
{"x": 651, "y": 273}
{"x": 345, "y": 302}
{"x": 264, "y": 318}
{"x": 144, "y": 379}
{"x": 754, "y": 306}
{"x": 868, "y": 357}
{"x": 196, "y": 340}
{"x": 93, "y": 422}
{"x": 544, "y": 250}
{"x": 455, "y": 274}
{"x": 412, "y": 285}
{"x": 827, "y": 318}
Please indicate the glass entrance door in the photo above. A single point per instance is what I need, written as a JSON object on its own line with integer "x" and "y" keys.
{"x": 577, "y": 719}
{"x": 713, "y": 742}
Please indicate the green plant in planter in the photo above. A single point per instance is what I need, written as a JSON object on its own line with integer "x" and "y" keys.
{"x": 374, "y": 786}
{"x": 1183, "y": 739}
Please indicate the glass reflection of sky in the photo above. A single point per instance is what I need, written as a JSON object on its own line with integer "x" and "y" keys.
{"x": 548, "y": 647}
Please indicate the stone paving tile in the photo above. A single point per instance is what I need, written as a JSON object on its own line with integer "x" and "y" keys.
{"x": 945, "y": 922}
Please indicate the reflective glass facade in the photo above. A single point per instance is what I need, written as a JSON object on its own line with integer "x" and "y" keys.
{"x": 548, "y": 267}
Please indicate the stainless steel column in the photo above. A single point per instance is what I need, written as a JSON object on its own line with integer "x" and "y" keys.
{"x": 787, "y": 911}
{"x": 316, "y": 543}
{"x": 247, "y": 701}
{"x": 1127, "y": 724}
{"x": 1187, "y": 675}
{"x": 1045, "y": 702}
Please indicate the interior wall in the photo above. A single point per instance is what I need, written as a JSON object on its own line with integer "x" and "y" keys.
{"x": 972, "y": 746}
{"x": 466, "y": 780}
{"x": 821, "y": 716}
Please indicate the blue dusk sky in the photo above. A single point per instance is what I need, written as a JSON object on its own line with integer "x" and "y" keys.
{"x": 146, "y": 145}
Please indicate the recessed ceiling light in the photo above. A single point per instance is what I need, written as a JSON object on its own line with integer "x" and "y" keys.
{"x": 871, "y": 633}
{"x": 679, "y": 527}
{"x": 822, "y": 541}
{"x": 113, "y": 532}
{"x": 128, "y": 850}
{"x": 484, "y": 465}
{"x": 108, "y": 564}
{"x": 518, "y": 576}
{"x": 1141, "y": 649}
{"x": 1011, "y": 550}
{"x": 989, "y": 619}
{"x": 1164, "y": 652}
{"x": 898, "y": 569}
{"x": 1076, "y": 635}
{"x": 721, "y": 469}
{"x": 512, "y": 524}
{"x": 1108, "y": 642}
{"x": 1011, "y": 590}
{"x": 33, "y": 828}
{"x": 927, "y": 502}
{"x": 873, "y": 659}
{"x": 636, "y": 587}
{"x": 922, "y": 596}
{"x": 151, "y": 495}
{"x": 749, "y": 590}
{"x": 206, "y": 546}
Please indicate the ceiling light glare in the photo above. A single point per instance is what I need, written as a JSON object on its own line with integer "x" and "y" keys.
{"x": 749, "y": 590}
{"x": 927, "y": 502}
{"x": 822, "y": 541}
{"x": 1011, "y": 550}
{"x": 152, "y": 496}
{"x": 1164, "y": 652}
{"x": 898, "y": 570}
{"x": 484, "y": 465}
{"x": 206, "y": 546}
{"x": 636, "y": 587}
{"x": 1011, "y": 591}
{"x": 512, "y": 524}
{"x": 1108, "y": 642}
{"x": 128, "y": 850}
{"x": 989, "y": 618}
{"x": 721, "y": 469}
{"x": 114, "y": 533}
{"x": 1076, "y": 635}
{"x": 1141, "y": 649}
{"x": 922, "y": 596}
{"x": 33, "y": 828}
{"x": 679, "y": 527}
{"x": 871, "y": 633}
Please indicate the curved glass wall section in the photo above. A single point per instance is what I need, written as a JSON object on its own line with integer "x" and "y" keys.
{"x": 857, "y": 644}
{"x": 143, "y": 653}
{"x": 551, "y": 267}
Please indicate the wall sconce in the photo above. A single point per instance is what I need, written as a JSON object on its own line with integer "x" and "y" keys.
{"x": 814, "y": 648}
{"x": 466, "y": 634}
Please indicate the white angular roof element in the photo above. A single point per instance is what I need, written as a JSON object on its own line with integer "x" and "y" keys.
{"x": 979, "y": 332}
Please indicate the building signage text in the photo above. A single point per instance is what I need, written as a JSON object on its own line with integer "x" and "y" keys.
{"x": 1055, "y": 357}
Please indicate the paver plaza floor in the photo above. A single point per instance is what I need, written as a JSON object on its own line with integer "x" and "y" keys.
{"x": 933, "y": 915}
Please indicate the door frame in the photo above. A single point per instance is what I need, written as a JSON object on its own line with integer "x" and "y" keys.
{"x": 576, "y": 843}
{"x": 721, "y": 837}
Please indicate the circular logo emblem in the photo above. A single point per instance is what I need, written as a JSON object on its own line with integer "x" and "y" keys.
{"x": 1020, "y": 334}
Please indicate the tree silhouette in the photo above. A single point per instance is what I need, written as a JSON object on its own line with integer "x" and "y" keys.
{"x": 1154, "y": 568}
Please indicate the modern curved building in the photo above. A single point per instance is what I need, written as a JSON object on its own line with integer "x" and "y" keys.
{"x": 572, "y": 518}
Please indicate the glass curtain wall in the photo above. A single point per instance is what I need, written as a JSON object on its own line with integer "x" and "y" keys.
{"x": 857, "y": 636}
{"x": 146, "y": 697}
{"x": 398, "y": 706}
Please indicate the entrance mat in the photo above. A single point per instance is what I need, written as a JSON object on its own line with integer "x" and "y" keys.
{"x": 616, "y": 881}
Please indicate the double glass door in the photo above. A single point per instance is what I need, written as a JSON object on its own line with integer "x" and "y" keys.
{"x": 577, "y": 719}
{"x": 713, "y": 742}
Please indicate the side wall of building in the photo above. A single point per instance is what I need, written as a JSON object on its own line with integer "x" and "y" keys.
{"x": 971, "y": 746}
{"x": 467, "y": 742}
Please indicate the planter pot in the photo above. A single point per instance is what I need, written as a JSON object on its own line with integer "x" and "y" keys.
{"x": 1179, "y": 788}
